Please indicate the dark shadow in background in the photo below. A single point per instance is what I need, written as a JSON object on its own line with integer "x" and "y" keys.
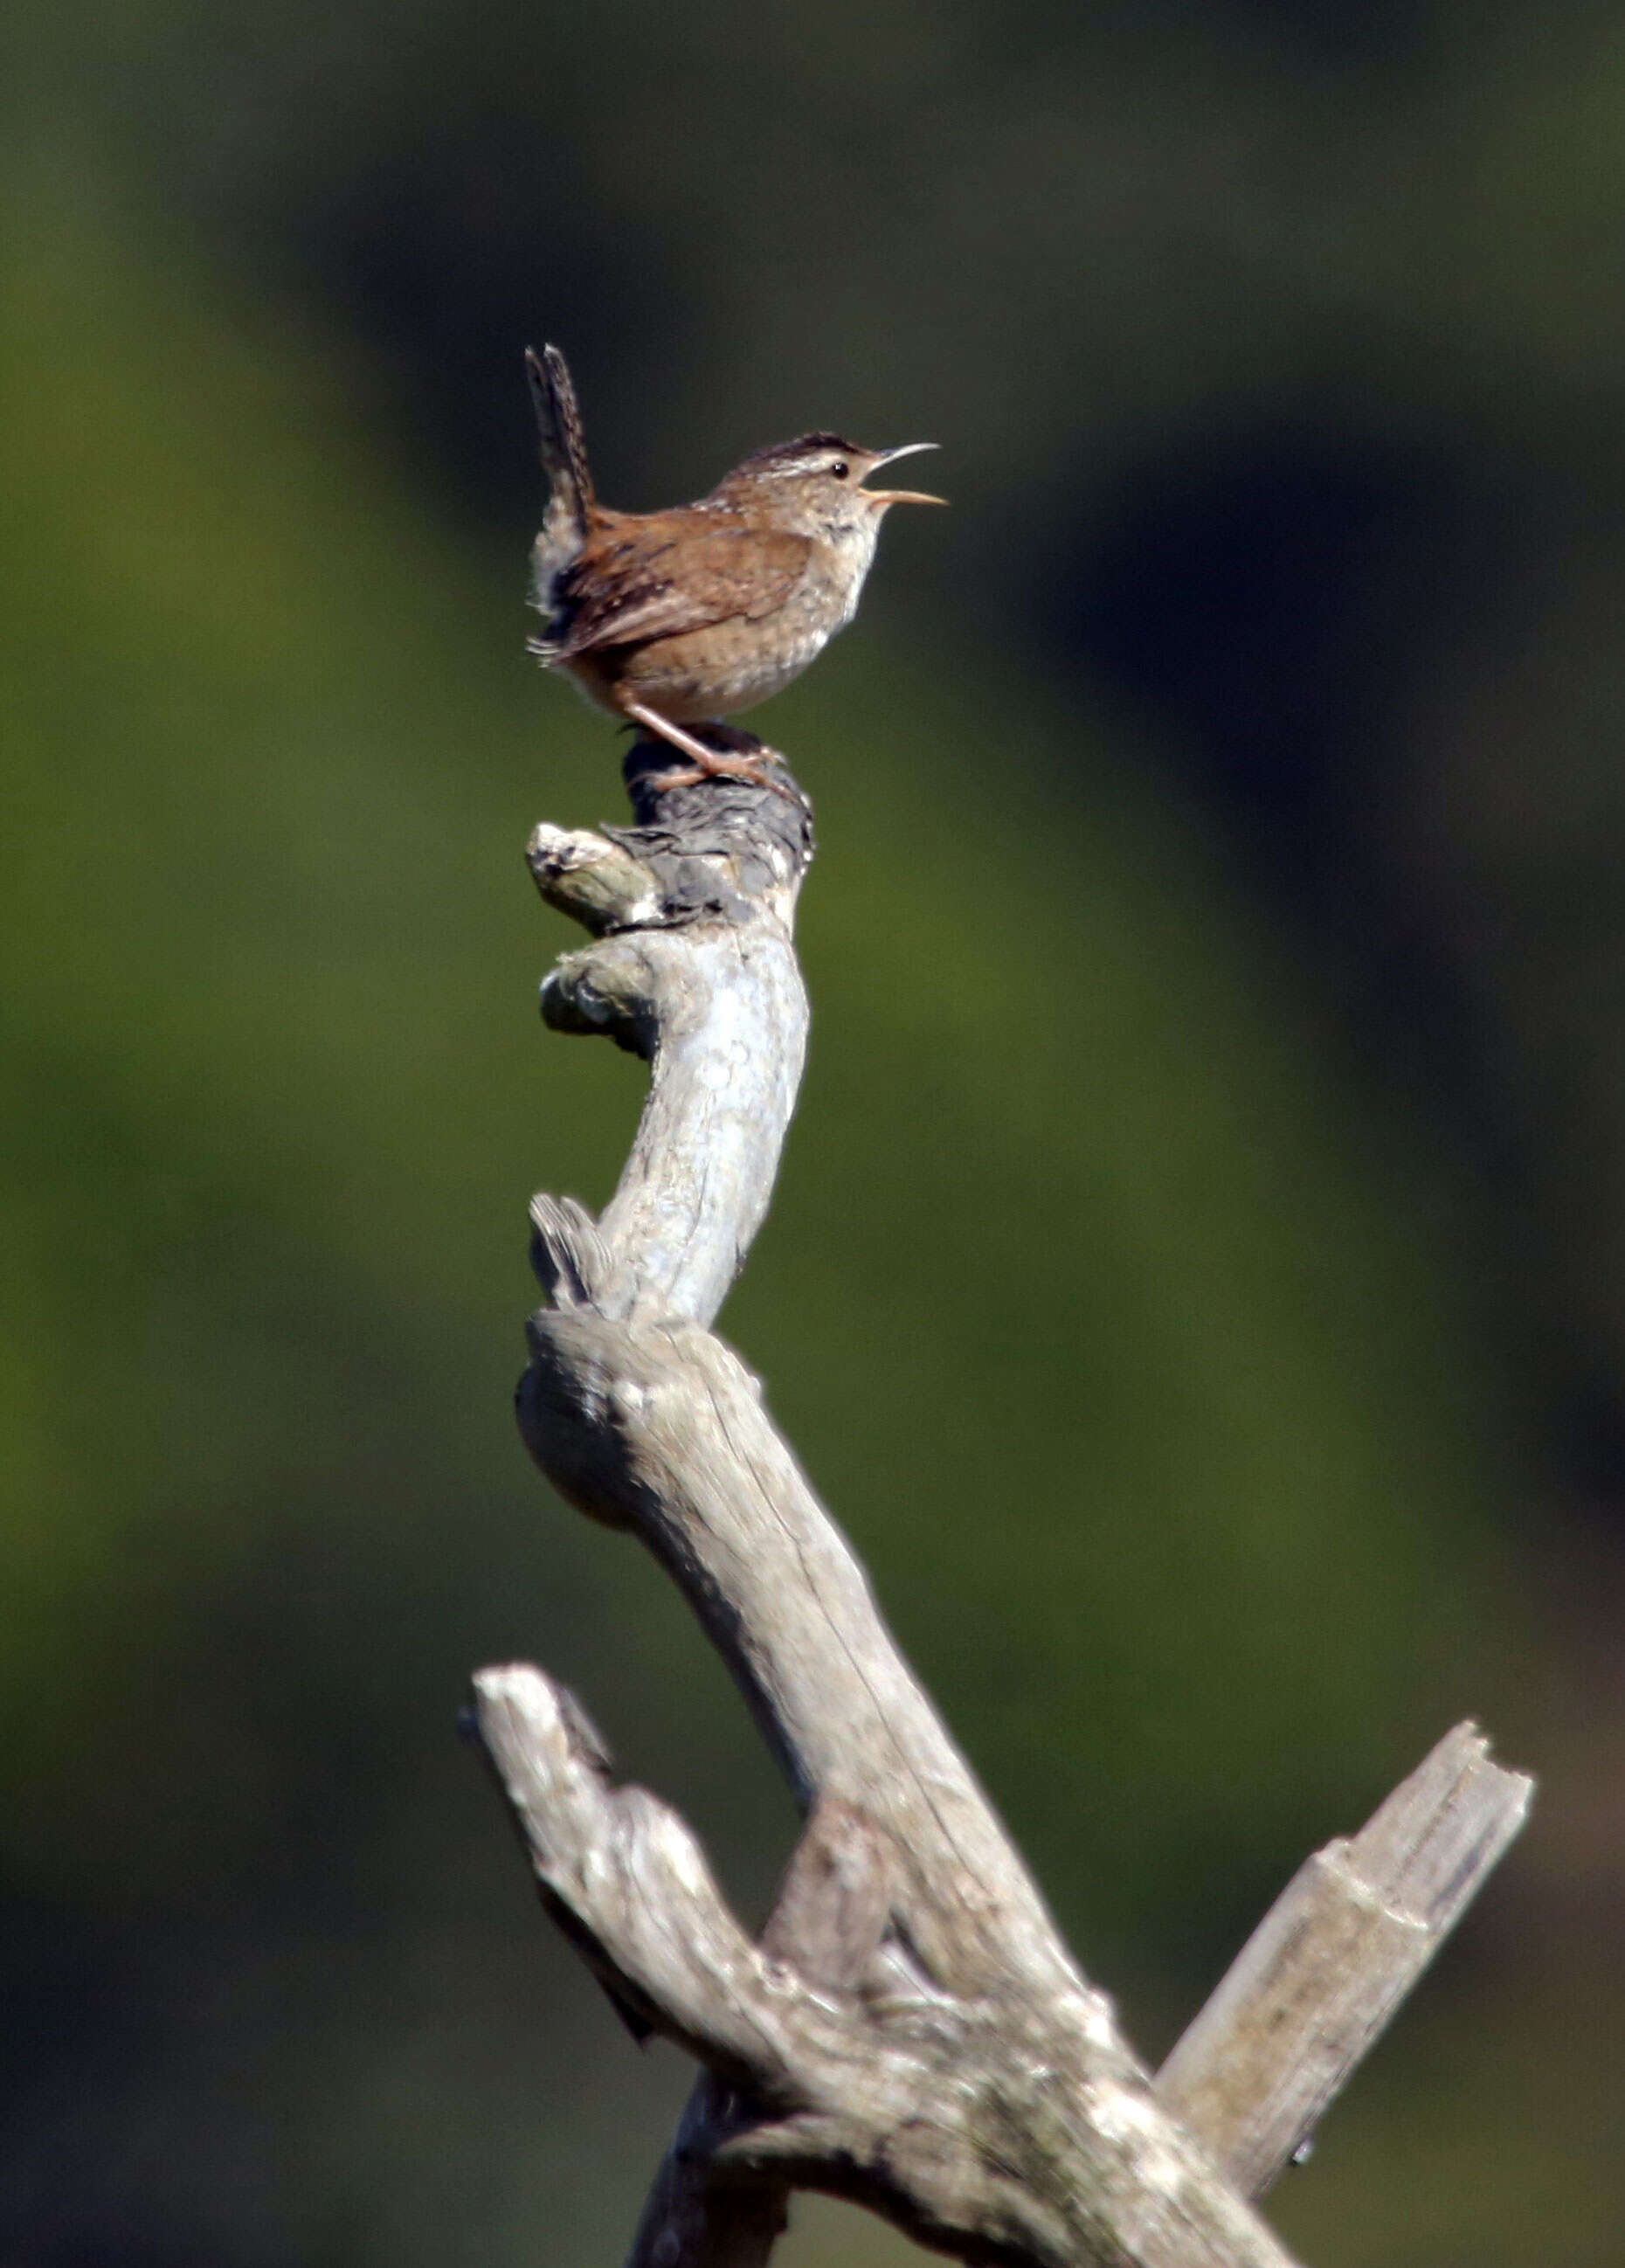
{"x": 1243, "y": 589}
{"x": 435, "y": 257}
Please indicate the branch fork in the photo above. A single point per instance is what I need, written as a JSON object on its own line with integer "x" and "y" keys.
{"x": 909, "y": 2031}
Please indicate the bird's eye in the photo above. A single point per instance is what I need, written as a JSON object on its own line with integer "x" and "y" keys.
{"x": 841, "y": 470}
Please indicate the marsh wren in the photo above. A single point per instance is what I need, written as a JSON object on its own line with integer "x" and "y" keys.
{"x": 682, "y": 617}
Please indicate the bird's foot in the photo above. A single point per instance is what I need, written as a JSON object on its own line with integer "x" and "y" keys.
{"x": 721, "y": 766}
{"x": 743, "y": 757}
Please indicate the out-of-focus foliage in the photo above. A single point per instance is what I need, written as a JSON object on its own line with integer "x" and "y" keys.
{"x": 1192, "y": 1276}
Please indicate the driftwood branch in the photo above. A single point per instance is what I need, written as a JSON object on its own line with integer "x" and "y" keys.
{"x": 910, "y": 2031}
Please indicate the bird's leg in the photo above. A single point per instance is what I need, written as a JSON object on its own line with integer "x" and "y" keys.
{"x": 704, "y": 764}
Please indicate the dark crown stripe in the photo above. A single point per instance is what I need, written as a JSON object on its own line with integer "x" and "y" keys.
{"x": 810, "y": 444}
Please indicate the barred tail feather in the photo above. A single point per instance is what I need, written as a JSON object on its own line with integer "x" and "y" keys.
{"x": 558, "y": 426}
{"x": 569, "y": 501}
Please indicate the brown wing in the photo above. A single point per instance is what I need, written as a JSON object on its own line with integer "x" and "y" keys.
{"x": 657, "y": 575}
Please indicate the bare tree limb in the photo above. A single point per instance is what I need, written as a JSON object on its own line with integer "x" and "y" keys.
{"x": 829, "y": 1917}
{"x": 697, "y": 972}
{"x": 1319, "y": 1979}
{"x": 910, "y": 2032}
{"x": 1007, "y": 2123}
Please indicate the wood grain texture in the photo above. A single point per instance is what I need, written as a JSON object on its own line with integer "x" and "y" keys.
{"x": 695, "y": 970}
{"x": 1325, "y": 1970}
{"x": 910, "y": 2031}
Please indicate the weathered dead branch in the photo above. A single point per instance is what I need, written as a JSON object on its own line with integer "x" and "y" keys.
{"x": 910, "y": 2031}
{"x": 1317, "y": 1982}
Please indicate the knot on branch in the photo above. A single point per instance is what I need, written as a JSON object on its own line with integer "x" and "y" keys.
{"x": 608, "y": 1401}
{"x": 614, "y": 987}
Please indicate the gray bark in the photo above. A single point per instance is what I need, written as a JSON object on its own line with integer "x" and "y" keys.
{"x": 910, "y": 2032}
{"x": 1328, "y": 1965}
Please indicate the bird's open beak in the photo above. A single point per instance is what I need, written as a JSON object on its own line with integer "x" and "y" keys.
{"x": 901, "y": 495}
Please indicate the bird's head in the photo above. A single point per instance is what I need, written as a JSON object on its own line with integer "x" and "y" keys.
{"x": 815, "y": 485}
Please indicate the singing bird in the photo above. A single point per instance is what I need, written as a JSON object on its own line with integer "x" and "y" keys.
{"x": 677, "y": 618}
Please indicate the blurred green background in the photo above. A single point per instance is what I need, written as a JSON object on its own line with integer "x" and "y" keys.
{"x": 1195, "y": 1278}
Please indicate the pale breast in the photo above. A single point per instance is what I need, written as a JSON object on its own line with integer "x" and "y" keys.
{"x": 718, "y": 671}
